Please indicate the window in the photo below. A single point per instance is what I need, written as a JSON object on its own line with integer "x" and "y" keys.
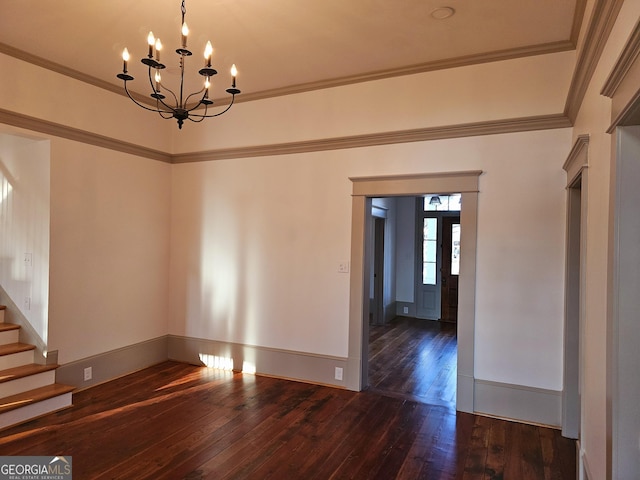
{"x": 442, "y": 203}
{"x": 455, "y": 249}
{"x": 429, "y": 250}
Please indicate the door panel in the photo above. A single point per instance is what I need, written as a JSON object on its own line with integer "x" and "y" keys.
{"x": 428, "y": 288}
{"x": 377, "y": 312}
{"x": 450, "y": 268}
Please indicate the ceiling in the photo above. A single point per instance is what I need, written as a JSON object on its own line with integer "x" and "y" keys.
{"x": 283, "y": 46}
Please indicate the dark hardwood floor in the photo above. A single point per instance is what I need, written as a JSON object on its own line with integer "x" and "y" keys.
{"x": 414, "y": 359}
{"x": 177, "y": 421}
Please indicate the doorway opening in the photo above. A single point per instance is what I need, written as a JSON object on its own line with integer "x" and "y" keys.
{"x": 412, "y": 350}
{"x": 364, "y": 190}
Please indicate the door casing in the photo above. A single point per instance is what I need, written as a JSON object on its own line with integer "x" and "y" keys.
{"x": 363, "y": 190}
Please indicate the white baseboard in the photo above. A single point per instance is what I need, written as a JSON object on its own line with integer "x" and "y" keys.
{"x": 305, "y": 367}
{"x": 525, "y": 404}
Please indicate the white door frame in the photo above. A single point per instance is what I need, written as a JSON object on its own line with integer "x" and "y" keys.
{"x": 366, "y": 188}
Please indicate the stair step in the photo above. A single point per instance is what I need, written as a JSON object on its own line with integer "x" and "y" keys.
{"x": 17, "y": 347}
{"x": 9, "y": 333}
{"x": 33, "y": 396}
{"x": 26, "y": 377}
{"x": 24, "y": 371}
{"x": 2, "y": 309}
{"x": 5, "y": 327}
{"x": 26, "y": 406}
{"x": 15, "y": 354}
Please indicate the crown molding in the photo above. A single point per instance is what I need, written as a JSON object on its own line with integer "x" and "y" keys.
{"x": 600, "y": 25}
{"x": 495, "y": 56}
{"x": 492, "y": 127}
{"x": 70, "y": 72}
{"x": 624, "y": 63}
{"x": 499, "y": 55}
{"x": 50, "y": 128}
{"x": 578, "y": 16}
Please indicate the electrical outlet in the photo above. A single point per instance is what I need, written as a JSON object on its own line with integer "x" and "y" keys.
{"x": 338, "y": 373}
{"x": 27, "y": 303}
{"x": 343, "y": 267}
{"x": 88, "y": 373}
{"x": 405, "y": 309}
{"x": 28, "y": 260}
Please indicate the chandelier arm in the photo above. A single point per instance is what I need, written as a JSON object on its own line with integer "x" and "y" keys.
{"x": 214, "y": 114}
{"x": 174, "y": 98}
{"x": 140, "y": 104}
{"x": 200, "y": 102}
{"x": 197, "y": 104}
{"x": 164, "y": 114}
{"x": 157, "y": 92}
{"x": 201, "y": 117}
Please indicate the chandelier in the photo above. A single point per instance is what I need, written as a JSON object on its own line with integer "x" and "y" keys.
{"x": 179, "y": 106}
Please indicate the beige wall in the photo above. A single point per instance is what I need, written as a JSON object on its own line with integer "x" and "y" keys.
{"x": 109, "y": 250}
{"x": 594, "y": 119}
{"x": 256, "y": 245}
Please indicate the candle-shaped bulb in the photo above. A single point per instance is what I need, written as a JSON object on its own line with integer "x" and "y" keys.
{"x": 125, "y": 58}
{"x": 208, "y": 51}
{"x": 158, "y": 48}
{"x": 207, "y": 83}
{"x": 185, "y": 32}
{"x": 158, "y": 81}
{"x": 234, "y": 74}
{"x": 151, "y": 40}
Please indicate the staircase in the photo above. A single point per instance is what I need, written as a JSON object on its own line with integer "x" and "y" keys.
{"x": 27, "y": 390}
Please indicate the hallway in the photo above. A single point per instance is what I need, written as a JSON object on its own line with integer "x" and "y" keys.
{"x": 414, "y": 359}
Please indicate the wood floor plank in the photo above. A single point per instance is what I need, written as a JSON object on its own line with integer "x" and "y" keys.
{"x": 414, "y": 359}
{"x": 175, "y": 421}
{"x": 474, "y": 468}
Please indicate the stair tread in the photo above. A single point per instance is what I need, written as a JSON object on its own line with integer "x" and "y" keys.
{"x": 24, "y": 371}
{"x": 30, "y": 397}
{"x": 10, "y": 348}
{"x": 5, "y": 327}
